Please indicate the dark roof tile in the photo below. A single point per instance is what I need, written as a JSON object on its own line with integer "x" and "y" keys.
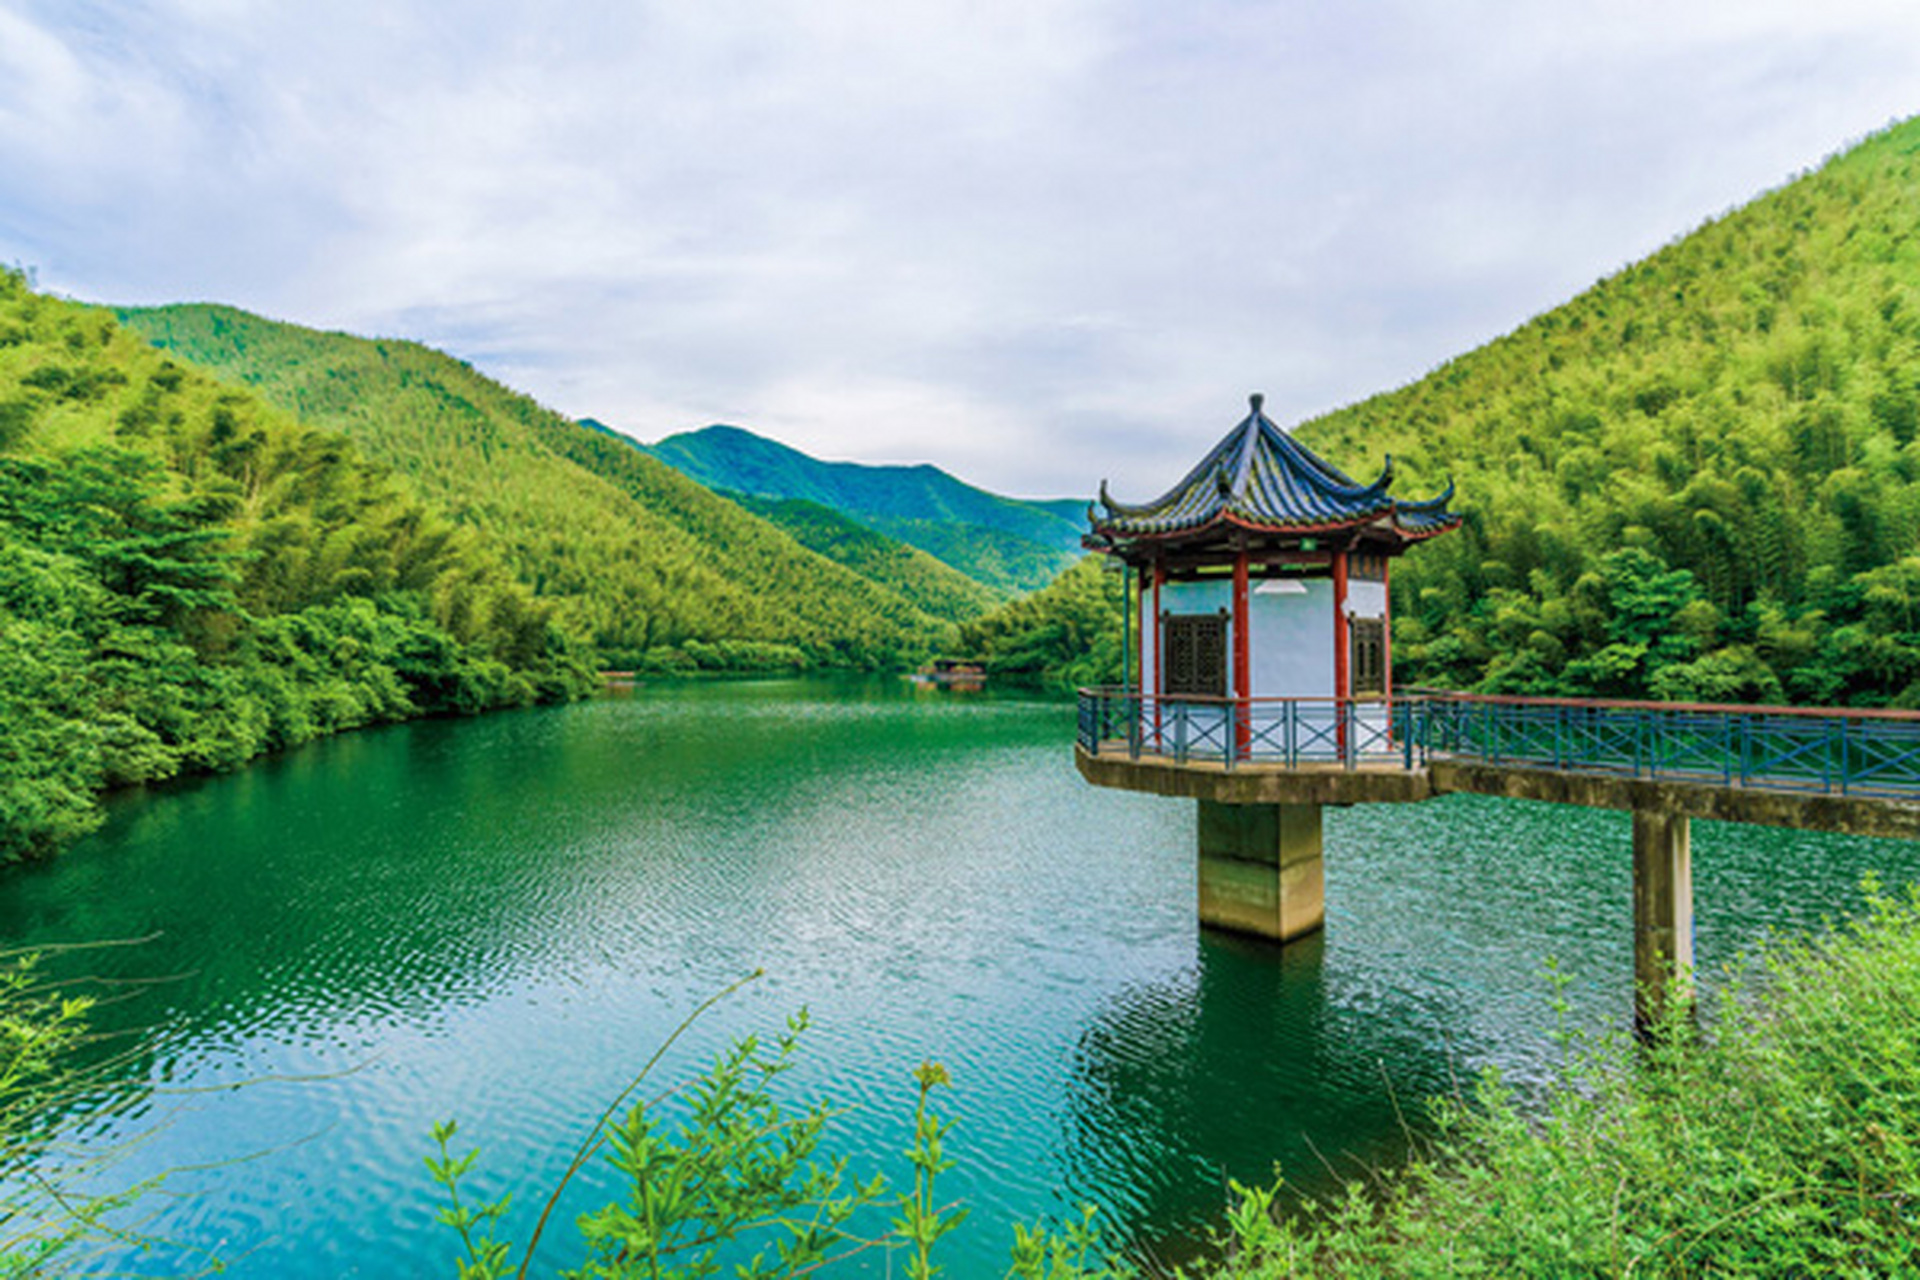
{"x": 1260, "y": 477}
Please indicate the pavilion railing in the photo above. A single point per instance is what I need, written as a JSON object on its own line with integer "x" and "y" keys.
{"x": 1873, "y": 753}
{"x": 1234, "y": 732}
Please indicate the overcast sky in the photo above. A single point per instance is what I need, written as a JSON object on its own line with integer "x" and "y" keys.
{"x": 1036, "y": 242}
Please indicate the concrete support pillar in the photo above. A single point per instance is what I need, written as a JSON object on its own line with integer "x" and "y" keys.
{"x": 1260, "y": 869}
{"x": 1662, "y": 912}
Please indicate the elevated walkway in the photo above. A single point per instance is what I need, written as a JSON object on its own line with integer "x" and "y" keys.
{"x": 1261, "y": 769}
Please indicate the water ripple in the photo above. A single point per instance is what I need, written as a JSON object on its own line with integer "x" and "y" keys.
{"x": 501, "y": 919}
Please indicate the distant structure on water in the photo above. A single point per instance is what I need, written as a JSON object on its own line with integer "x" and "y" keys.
{"x": 952, "y": 673}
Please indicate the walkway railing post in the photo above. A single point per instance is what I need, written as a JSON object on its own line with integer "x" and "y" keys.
{"x": 1726, "y": 751}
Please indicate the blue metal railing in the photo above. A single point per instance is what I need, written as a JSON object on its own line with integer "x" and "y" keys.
{"x": 1847, "y": 752}
{"x": 1288, "y": 732}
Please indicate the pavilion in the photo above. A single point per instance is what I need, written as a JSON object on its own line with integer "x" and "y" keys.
{"x": 1260, "y": 583}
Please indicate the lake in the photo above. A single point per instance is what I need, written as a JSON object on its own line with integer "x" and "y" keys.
{"x": 500, "y": 919}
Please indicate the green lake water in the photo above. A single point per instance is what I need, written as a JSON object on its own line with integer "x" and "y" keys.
{"x": 500, "y": 919}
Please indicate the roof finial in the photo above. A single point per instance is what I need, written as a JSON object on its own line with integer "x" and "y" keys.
{"x": 1256, "y": 400}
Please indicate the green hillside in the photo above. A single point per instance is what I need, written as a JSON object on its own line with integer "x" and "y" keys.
{"x": 1007, "y": 543}
{"x": 1069, "y": 633}
{"x": 1699, "y": 479}
{"x": 918, "y": 578}
{"x": 648, "y": 565}
{"x": 1072, "y": 510}
{"x": 189, "y": 577}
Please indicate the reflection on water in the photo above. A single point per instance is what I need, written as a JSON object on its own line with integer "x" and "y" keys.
{"x": 1249, "y": 1061}
{"x": 499, "y": 919}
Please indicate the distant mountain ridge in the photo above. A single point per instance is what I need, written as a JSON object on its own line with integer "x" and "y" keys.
{"x": 1010, "y": 544}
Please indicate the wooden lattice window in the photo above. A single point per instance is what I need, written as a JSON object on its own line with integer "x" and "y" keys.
{"x": 1367, "y": 638}
{"x": 1196, "y": 654}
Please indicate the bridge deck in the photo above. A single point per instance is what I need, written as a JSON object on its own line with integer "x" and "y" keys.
{"x": 1262, "y": 769}
{"x": 1855, "y": 771}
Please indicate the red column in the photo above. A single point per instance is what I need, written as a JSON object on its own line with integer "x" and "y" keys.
{"x": 1242, "y": 661}
{"x": 1159, "y": 643}
{"x": 1342, "y": 646}
{"x": 1140, "y": 629}
{"x": 1342, "y": 677}
{"x": 1386, "y": 631}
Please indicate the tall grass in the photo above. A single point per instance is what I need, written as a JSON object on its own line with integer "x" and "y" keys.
{"x": 1783, "y": 1142}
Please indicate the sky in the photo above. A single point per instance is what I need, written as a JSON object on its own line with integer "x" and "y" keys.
{"x": 1038, "y": 243}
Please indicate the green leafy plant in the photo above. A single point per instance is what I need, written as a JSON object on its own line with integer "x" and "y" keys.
{"x": 738, "y": 1172}
{"x": 741, "y": 1184}
{"x": 738, "y": 1169}
{"x": 922, "y": 1220}
{"x": 1783, "y": 1139}
{"x": 54, "y": 1218}
{"x": 482, "y": 1257}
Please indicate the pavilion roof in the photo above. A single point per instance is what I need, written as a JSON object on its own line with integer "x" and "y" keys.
{"x": 1261, "y": 479}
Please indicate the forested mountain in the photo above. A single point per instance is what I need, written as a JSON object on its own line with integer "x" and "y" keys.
{"x": 189, "y": 577}
{"x": 1699, "y": 479}
{"x": 652, "y": 568}
{"x": 1068, "y": 633}
{"x": 918, "y": 578}
{"x": 1007, "y": 543}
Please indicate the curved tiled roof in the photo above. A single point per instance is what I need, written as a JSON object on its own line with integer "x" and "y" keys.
{"x": 1261, "y": 478}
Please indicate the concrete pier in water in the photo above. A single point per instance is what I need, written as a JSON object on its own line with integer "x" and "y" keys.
{"x": 1260, "y": 869}
{"x": 1260, "y": 866}
{"x": 1662, "y": 912}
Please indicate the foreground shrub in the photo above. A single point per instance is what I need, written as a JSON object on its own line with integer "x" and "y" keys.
{"x": 55, "y": 1217}
{"x": 742, "y": 1183}
{"x": 1785, "y": 1143}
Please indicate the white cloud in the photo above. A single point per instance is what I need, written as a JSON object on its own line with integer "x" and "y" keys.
{"x": 1036, "y": 241}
